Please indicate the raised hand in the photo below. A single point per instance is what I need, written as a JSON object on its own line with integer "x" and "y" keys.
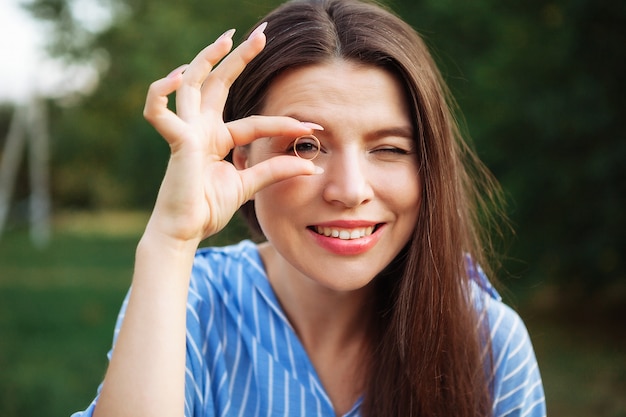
{"x": 201, "y": 191}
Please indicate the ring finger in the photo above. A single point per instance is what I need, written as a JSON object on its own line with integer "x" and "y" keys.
{"x": 216, "y": 86}
{"x": 188, "y": 95}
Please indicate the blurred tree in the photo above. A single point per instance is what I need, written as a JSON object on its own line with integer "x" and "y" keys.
{"x": 104, "y": 153}
{"x": 540, "y": 83}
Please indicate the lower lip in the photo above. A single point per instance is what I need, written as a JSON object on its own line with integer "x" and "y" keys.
{"x": 348, "y": 247}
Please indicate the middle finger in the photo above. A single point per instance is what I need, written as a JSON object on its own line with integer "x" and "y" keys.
{"x": 216, "y": 86}
{"x": 188, "y": 95}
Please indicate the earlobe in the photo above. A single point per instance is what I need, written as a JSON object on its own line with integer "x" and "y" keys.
{"x": 240, "y": 157}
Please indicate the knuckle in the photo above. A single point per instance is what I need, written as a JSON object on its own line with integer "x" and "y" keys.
{"x": 151, "y": 115}
{"x": 148, "y": 112}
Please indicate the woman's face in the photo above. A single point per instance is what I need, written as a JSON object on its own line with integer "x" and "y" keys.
{"x": 342, "y": 227}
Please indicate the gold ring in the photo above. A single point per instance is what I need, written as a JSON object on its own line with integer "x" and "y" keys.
{"x": 308, "y": 154}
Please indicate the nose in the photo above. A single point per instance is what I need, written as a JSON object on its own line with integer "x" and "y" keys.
{"x": 347, "y": 181}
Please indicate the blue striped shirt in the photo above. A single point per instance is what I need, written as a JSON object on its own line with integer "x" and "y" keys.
{"x": 244, "y": 358}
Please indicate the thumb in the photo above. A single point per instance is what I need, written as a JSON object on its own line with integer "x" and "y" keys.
{"x": 274, "y": 170}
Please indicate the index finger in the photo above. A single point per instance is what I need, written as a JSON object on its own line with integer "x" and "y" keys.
{"x": 244, "y": 131}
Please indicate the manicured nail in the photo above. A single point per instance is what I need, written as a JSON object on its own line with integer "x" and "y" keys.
{"x": 313, "y": 126}
{"x": 228, "y": 34}
{"x": 258, "y": 30}
{"x": 318, "y": 170}
{"x": 177, "y": 71}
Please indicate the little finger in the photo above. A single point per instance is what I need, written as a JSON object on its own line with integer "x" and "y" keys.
{"x": 156, "y": 112}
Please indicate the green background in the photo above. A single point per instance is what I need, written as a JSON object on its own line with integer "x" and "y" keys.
{"x": 540, "y": 85}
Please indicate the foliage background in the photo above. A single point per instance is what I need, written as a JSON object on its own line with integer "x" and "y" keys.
{"x": 540, "y": 84}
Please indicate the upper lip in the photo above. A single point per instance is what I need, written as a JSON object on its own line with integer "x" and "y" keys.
{"x": 346, "y": 229}
{"x": 347, "y": 224}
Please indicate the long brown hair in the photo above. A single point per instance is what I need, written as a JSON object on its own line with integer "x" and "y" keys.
{"x": 427, "y": 342}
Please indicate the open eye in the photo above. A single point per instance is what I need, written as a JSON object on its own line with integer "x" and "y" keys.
{"x": 306, "y": 147}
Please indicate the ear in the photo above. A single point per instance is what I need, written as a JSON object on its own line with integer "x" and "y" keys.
{"x": 240, "y": 157}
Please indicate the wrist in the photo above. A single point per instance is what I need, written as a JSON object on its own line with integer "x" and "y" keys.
{"x": 172, "y": 232}
{"x": 155, "y": 239}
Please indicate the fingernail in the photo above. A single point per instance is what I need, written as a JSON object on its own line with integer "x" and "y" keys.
{"x": 318, "y": 170}
{"x": 258, "y": 30}
{"x": 313, "y": 126}
{"x": 228, "y": 34}
{"x": 177, "y": 71}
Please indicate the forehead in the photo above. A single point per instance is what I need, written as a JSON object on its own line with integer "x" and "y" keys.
{"x": 338, "y": 89}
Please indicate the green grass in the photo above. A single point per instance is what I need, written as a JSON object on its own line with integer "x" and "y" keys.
{"x": 57, "y": 311}
{"x": 582, "y": 362}
{"x": 58, "y": 306}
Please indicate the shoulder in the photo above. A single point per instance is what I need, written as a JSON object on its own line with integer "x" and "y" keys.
{"x": 222, "y": 278}
{"x": 216, "y": 259}
{"x": 504, "y": 324}
{"x": 219, "y": 266}
{"x": 515, "y": 376}
{"x": 517, "y": 384}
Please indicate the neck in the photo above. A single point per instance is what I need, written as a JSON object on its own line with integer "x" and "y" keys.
{"x": 333, "y": 327}
{"x": 323, "y": 319}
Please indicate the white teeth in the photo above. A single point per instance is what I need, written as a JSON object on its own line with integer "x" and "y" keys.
{"x": 345, "y": 234}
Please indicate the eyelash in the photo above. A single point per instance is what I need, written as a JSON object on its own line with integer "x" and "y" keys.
{"x": 391, "y": 150}
{"x": 310, "y": 147}
{"x": 399, "y": 151}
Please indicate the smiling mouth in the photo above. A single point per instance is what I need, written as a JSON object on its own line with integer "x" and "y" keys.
{"x": 343, "y": 233}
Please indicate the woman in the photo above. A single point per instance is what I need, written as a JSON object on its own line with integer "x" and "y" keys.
{"x": 365, "y": 297}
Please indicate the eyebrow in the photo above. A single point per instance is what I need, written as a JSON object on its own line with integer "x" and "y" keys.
{"x": 400, "y": 131}
{"x": 395, "y": 131}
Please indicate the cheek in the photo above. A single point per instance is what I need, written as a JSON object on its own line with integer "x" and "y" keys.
{"x": 415, "y": 196}
{"x": 401, "y": 188}
{"x": 284, "y": 200}
{"x": 417, "y": 200}
{"x": 405, "y": 199}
